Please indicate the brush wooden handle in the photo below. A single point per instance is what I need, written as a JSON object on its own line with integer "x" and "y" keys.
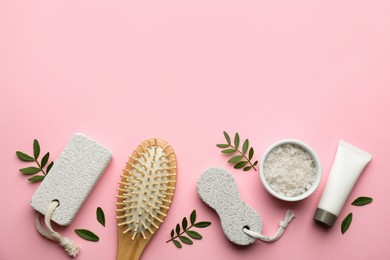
{"x": 129, "y": 249}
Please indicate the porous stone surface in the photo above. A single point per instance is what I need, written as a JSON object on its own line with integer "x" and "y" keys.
{"x": 72, "y": 178}
{"x": 218, "y": 189}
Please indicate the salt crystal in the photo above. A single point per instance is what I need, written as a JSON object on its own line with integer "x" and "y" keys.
{"x": 289, "y": 170}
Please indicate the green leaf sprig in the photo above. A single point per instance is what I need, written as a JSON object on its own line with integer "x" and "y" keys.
{"x": 361, "y": 201}
{"x": 346, "y": 223}
{"x": 40, "y": 163}
{"x": 89, "y": 235}
{"x": 239, "y": 158}
{"x": 100, "y": 216}
{"x": 185, "y": 229}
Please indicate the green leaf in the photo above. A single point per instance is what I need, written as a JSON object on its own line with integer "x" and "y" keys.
{"x": 177, "y": 243}
{"x": 194, "y": 234}
{"x": 37, "y": 149}
{"x": 178, "y": 229}
{"x": 44, "y": 160}
{"x": 235, "y": 159}
{"x": 346, "y": 223}
{"x": 181, "y": 239}
{"x": 229, "y": 151}
{"x": 245, "y": 146}
{"x": 49, "y": 167}
{"x": 30, "y": 170}
{"x": 37, "y": 178}
{"x": 100, "y": 216}
{"x": 185, "y": 240}
{"x": 236, "y": 140}
{"x": 251, "y": 152}
{"x": 361, "y": 201}
{"x": 240, "y": 164}
{"x": 240, "y": 158}
{"x": 247, "y": 168}
{"x": 193, "y": 217}
{"x": 184, "y": 223}
{"x": 202, "y": 224}
{"x": 227, "y": 137}
{"x": 87, "y": 235}
{"x": 24, "y": 157}
{"x": 222, "y": 145}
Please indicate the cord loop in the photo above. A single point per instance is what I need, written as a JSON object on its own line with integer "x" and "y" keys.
{"x": 49, "y": 233}
{"x": 282, "y": 226}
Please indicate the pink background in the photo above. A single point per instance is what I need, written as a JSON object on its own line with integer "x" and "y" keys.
{"x": 124, "y": 71}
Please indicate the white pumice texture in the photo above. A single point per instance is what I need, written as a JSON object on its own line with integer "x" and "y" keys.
{"x": 218, "y": 189}
{"x": 72, "y": 178}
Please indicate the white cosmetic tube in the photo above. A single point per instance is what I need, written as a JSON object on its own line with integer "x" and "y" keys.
{"x": 349, "y": 163}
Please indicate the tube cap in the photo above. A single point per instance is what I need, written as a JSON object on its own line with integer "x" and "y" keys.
{"x": 325, "y": 217}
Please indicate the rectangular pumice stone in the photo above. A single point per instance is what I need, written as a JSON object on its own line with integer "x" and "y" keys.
{"x": 72, "y": 177}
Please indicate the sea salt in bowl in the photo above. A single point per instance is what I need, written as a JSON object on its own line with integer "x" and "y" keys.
{"x": 290, "y": 170}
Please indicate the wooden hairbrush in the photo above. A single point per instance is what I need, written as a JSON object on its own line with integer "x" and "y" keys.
{"x": 144, "y": 195}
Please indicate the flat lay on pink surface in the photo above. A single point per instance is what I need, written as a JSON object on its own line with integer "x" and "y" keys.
{"x": 185, "y": 71}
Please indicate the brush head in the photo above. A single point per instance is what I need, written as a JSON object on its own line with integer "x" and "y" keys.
{"x": 146, "y": 189}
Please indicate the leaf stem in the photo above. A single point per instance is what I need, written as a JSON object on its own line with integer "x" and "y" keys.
{"x": 180, "y": 234}
{"x": 39, "y": 166}
{"x": 246, "y": 158}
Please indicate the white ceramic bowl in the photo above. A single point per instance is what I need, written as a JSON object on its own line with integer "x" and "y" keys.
{"x": 311, "y": 153}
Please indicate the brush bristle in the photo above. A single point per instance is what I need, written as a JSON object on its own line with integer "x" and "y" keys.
{"x": 146, "y": 188}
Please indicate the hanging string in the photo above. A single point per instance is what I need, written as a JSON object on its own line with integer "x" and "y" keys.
{"x": 49, "y": 233}
{"x": 282, "y": 226}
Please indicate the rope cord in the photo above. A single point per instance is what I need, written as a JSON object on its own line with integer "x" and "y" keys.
{"x": 49, "y": 233}
{"x": 282, "y": 226}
